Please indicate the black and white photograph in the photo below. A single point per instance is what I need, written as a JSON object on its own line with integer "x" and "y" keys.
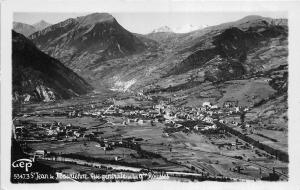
{"x": 188, "y": 97}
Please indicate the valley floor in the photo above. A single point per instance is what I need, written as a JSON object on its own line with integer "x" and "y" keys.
{"x": 133, "y": 131}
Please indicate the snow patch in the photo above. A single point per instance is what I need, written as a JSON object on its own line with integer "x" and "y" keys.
{"x": 180, "y": 29}
{"x": 162, "y": 29}
{"x": 188, "y": 28}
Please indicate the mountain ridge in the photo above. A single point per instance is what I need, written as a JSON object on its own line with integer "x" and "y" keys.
{"x": 41, "y": 25}
{"x": 97, "y": 34}
{"x": 179, "y": 29}
{"x": 215, "y": 54}
{"x": 49, "y": 82}
{"x": 25, "y": 29}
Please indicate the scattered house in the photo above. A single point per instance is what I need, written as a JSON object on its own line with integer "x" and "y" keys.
{"x": 27, "y": 98}
{"x": 76, "y": 133}
{"x": 246, "y": 109}
{"x": 40, "y": 153}
{"x": 234, "y": 123}
{"x": 230, "y": 103}
{"x": 247, "y": 125}
{"x": 214, "y": 107}
{"x": 203, "y": 108}
{"x": 208, "y": 119}
{"x": 170, "y": 121}
{"x": 210, "y": 127}
{"x": 131, "y": 120}
{"x": 141, "y": 122}
{"x": 206, "y": 104}
{"x": 168, "y": 117}
{"x": 89, "y": 135}
{"x": 196, "y": 127}
{"x": 52, "y": 132}
{"x": 201, "y": 115}
{"x": 210, "y": 113}
{"x": 118, "y": 158}
{"x": 178, "y": 125}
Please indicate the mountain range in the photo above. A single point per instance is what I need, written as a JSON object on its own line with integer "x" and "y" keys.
{"x": 243, "y": 60}
{"x": 23, "y": 28}
{"x": 41, "y": 25}
{"x": 87, "y": 41}
{"x": 179, "y": 29}
{"x": 27, "y": 29}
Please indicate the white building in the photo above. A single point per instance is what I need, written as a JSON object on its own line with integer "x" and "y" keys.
{"x": 214, "y": 107}
{"x": 208, "y": 119}
{"x": 206, "y": 104}
{"x": 141, "y": 122}
{"x": 196, "y": 127}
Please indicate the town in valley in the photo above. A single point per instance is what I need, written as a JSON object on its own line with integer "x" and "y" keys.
{"x": 110, "y": 105}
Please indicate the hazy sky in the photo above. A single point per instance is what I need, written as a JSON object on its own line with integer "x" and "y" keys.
{"x": 146, "y": 22}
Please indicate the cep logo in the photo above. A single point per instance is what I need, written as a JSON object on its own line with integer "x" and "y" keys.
{"x": 22, "y": 163}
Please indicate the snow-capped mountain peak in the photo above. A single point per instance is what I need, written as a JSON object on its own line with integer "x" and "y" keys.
{"x": 180, "y": 29}
{"x": 162, "y": 29}
{"x": 188, "y": 28}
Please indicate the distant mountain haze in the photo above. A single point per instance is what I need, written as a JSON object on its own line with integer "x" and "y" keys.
{"x": 23, "y": 28}
{"x": 162, "y": 29}
{"x": 41, "y": 25}
{"x": 188, "y": 28}
{"x": 27, "y": 29}
{"x": 180, "y": 29}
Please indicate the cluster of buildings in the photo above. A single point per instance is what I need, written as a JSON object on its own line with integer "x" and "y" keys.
{"x": 176, "y": 118}
{"x": 200, "y": 118}
{"x": 49, "y": 132}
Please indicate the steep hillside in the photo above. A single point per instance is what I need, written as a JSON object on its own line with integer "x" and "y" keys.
{"x": 230, "y": 54}
{"x": 238, "y": 50}
{"x": 39, "y": 77}
{"x": 87, "y": 41}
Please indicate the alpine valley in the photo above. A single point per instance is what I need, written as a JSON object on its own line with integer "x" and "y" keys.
{"x": 215, "y": 96}
{"x": 204, "y": 65}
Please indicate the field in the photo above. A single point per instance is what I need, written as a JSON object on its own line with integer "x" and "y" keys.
{"x": 179, "y": 151}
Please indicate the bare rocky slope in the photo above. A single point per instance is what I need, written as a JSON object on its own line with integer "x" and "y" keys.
{"x": 39, "y": 77}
